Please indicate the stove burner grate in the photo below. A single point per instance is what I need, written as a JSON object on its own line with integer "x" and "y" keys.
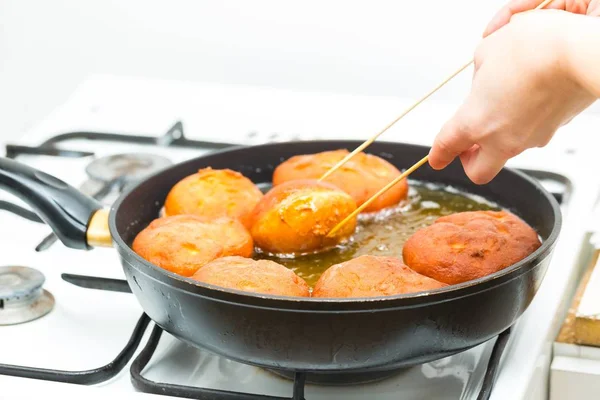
{"x": 143, "y": 384}
{"x": 88, "y": 377}
{"x": 166, "y": 389}
{"x": 188, "y": 392}
{"x": 174, "y": 137}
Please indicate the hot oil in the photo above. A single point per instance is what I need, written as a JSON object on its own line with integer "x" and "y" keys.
{"x": 384, "y": 233}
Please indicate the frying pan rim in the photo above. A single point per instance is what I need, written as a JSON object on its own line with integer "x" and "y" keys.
{"x": 433, "y": 295}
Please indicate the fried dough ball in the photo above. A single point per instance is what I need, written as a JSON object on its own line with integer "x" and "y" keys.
{"x": 259, "y": 276}
{"x": 214, "y": 193}
{"x": 361, "y": 177}
{"x": 372, "y": 276}
{"x": 469, "y": 245}
{"x": 184, "y": 243}
{"x": 295, "y": 217}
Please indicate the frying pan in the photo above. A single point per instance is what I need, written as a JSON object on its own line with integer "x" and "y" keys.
{"x": 318, "y": 336}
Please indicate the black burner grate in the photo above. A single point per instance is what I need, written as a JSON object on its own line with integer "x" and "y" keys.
{"x": 174, "y": 137}
{"x": 146, "y": 385}
{"x": 88, "y": 377}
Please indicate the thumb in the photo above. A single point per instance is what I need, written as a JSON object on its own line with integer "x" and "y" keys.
{"x": 482, "y": 164}
{"x": 456, "y": 136}
{"x": 454, "y": 139}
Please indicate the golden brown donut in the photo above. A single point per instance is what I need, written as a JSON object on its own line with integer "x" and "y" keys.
{"x": 259, "y": 276}
{"x": 214, "y": 193}
{"x": 372, "y": 276}
{"x": 295, "y": 217}
{"x": 184, "y": 243}
{"x": 469, "y": 245}
{"x": 361, "y": 177}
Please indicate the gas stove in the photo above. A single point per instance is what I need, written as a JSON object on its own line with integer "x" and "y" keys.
{"x": 69, "y": 325}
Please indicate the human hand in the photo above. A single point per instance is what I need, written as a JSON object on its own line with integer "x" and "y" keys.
{"x": 502, "y": 17}
{"x": 522, "y": 92}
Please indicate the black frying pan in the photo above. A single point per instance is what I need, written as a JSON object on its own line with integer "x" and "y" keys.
{"x": 314, "y": 335}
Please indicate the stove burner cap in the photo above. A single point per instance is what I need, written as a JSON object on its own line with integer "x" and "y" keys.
{"x": 22, "y": 297}
{"x": 130, "y": 167}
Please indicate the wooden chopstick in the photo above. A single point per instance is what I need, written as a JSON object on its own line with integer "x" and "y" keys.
{"x": 381, "y": 191}
{"x": 373, "y": 138}
{"x": 369, "y": 141}
{"x": 409, "y": 109}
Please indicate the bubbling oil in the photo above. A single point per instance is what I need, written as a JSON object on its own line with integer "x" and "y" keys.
{"x": 384, "y": 233}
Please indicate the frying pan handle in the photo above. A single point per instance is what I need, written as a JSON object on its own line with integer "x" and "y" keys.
{"x": 64, "y": 208}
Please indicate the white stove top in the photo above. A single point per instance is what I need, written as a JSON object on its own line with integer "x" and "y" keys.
{"x": 88, "y": 328}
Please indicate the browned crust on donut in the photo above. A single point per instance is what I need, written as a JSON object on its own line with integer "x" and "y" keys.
{"x": 372, "y": 276}
{"x": 469, "y": 245}
{"x": 184, "y": 243}
{"x": 361, "y": 177}
{"x": 295, "y": 217}
{"x": 259, "y": 276}
{"x": 214, "y": 193}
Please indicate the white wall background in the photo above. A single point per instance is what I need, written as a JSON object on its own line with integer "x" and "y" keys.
{"x": 399, "y": 48}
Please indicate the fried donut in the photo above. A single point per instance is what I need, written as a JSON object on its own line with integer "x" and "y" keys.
{"x": 184, "y": 243}
{"x": 469, "y": 245}
{"x": 372, "y": 276}
{"x": 361, "y": 177}
{"x": 259, "y": 276}
{"x": 214, "y": 193}
{"x": 295, "y": 217}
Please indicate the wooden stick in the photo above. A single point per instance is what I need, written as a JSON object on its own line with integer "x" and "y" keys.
{"x": 544, "y": 4}
{"x": 409, "y": 109}
{"x": 372, "y": 139}
{"x": 382, "y": 191}
{"x": 369, "y": 141}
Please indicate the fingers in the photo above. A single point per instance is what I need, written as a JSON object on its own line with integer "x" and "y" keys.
{"x": 577, "y": 6}
{"x": 481, "y": 162}
{"x": 593, "y": 9}
{"x": 454, "y": 139}
{"x": 482, "y": 154}
{"x": 503, "y": 16}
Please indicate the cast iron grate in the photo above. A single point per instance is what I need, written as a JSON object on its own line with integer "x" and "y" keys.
{"x": 87, "y": 377}
{"x": 143, "y": 384}
{"x": 147, "y": 386}
{"x": 174, "y": 137}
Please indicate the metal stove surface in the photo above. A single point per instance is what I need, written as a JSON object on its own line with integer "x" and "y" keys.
{"x": 87, "y": 328}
